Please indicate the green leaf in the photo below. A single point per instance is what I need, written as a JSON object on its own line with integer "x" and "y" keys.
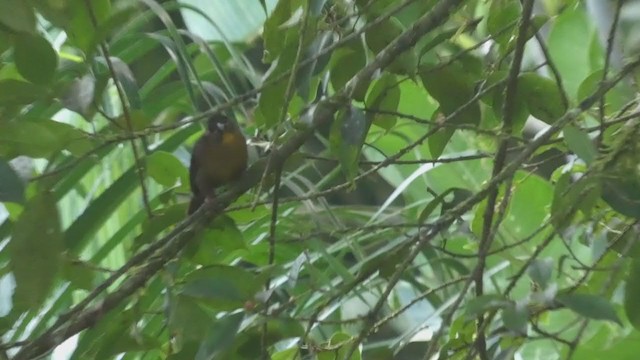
{"x": 438, "y": 141}
{"x": 80, "y": 274}
{"x": 80, "y": 27}
{"x": 166, "y": 169}
{"x": 380, "y": 35}
{"x": 187, "y": 319}
{"x": 34, "y": 251}
{"x": 35, "y": 59}
{"x": 568, "y": 198}
{"x": 17, "y": 15}
{"x": 542, "y": 96}
{"x": 515, "y": 318}
{"x": 287, "y": 354}
{"x": 536, "y": 22}
{"x": 484, "y": 303}
{"x": 621, "y": 188}
{"x": 274, "y": 32}
{"x": 431, "y": 206}
{"x": 342, "y": 343}
{"x": 220, "y": 336}
{"x": 568, "y": 42}
{"x": 219, "y": 239}
{"x": 348, "y": 133}
{"x": 452, "y": 86}
{"x": 614, "y": 99}
{"x": 540, "y": 271}
{"x": 39, "y": 139}
{"x": 16, "y": 92}
{"x": 580, "y": 143}
{"x": 221, "y": 287}
{"x": 11, "y": 186}
{"x": 162, "y": 220}
{"x": 502, "y": 20}
{"x": 345, "y": 63}
{"x": 384, "y": 96}
{"x": 632, "y": 294}
{"x": 591, "y": 306}
{"x": 621, "y": 240}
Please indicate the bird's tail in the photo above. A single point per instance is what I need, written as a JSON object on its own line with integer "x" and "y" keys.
{"x": 196, "y": 202}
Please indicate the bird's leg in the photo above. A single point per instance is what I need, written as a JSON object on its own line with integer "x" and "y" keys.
{"x": 210, "y": 197}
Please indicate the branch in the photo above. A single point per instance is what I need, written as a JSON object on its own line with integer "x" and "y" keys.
{"x": 498, "y": 164}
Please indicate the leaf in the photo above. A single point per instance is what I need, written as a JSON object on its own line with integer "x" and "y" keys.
{"x": 187, "y": 320}
{"x": 580, "y": 143}
{"x": 570, "y": 197}
{"x": 384, "y": 96}
{"x": 345, "y": 62}
{"x": 621, "y": 188}
{"x": 502, "y": 15}
{"x": 438, "y": 141}
{"x": 342, "y": 343}
{"x": 287, "y": 354}
{"x": 540, "y": 271}
{"x": 17, "y": 15}
{"x": 452, "y": 87}
{"x": 39, "y": 139}
{"x": 220, "y": 336}
{"x": 306, "y": 72}
{"x": 515, "y": 318}
{"x": 221, "y": 287}
{"x": 34, "y": 251}
{"x": 621, "y": 240}
{"x": 80, "y": 27}
{"x": 11, "y": 186}
{"x": 536, "y": 22}
{"x": 380, "y": 35}
{"x": 424, "y": 214}
{"x": 35, "y": 59}
{"x": 219, "y": 239}
{"x": 542, "y": 96}
{"x": 590, "y": 306}
{"x": 348, "y": 133}
{"x": 166, "y": 169}
{"x": 614, "y": 99}
{"x": 79, "y": 274}
{"x": 484, "y": 303}
{"x": 161, "y": 221}
{"x": 632, "y": 294}
{"x": 568, "y": 42}
{"x": 273, "y": 33}
{"x": 16, "y": 92}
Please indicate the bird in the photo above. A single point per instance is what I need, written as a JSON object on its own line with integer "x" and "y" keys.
{"x": 219, "y": 157}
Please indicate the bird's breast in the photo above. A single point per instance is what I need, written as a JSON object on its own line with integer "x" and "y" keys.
{"x": 225, "y": 160}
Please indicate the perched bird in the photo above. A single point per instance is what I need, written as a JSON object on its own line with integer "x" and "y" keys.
{"x": 219, "y": 157}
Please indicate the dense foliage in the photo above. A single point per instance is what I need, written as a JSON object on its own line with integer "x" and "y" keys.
{"x": 453, "y": 179}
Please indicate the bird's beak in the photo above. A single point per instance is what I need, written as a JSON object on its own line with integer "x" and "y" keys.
{"x": 220, "y": 126}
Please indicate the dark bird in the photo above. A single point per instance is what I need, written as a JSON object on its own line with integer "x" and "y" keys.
{"x": 219, "y": 157}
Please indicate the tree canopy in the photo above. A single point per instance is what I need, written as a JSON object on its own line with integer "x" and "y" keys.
{"x": 453, "y": 179}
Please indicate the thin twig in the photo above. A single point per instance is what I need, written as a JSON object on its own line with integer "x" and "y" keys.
{"x": 125, "y": 112}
